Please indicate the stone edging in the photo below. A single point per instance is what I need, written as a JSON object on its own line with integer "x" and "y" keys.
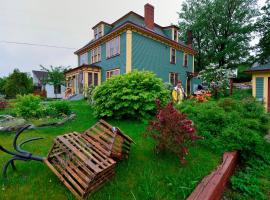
{"x": 58, "y": 123}
{"x": 213, "y": 185}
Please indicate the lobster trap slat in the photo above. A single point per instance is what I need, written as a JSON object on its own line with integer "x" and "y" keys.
{"x": 84, "y": 162}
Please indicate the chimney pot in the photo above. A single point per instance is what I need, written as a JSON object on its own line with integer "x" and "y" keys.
{"x": 149, "y": 16}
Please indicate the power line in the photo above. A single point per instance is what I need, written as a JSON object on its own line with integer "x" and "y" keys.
{"x": 35, "y": 44}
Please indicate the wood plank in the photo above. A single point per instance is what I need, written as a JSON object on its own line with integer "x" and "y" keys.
{"x": 70, "y": 179}
{"x": 80, "y": 155}
{"x": 89, "y": 152}
{"x": 62, "y": 179}
{"x": 73, "y": 172}
{"x": 96, "y": 144}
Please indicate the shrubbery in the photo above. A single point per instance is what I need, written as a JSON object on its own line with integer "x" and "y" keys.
{"x": 235, "y": 124}
{"x": 3, "y": 103}
{"x": 172, "y": 130}
{"x": 130, "y": 95}
{"x": 30, "y": 106}
{"x": 230, "y": 124}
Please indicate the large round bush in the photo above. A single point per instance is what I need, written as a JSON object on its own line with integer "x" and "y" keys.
{"x": 129, "y": 95}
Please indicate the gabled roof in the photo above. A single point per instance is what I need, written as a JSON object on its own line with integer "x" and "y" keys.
{"x": 82, "y": 67}
{"x": 259, "y": 67}
{"x": 133, "y": 26}
{"x": 139, "y": 23}
{"x": 41, "y": 75}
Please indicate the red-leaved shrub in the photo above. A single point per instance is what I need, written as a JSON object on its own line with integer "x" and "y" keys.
{"x": 3, "y": 104}
{"x": 172, "y": 131}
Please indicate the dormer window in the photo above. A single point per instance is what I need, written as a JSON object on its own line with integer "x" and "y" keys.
{"x": 98, "y": 32}
{"x": 175, "y": 34}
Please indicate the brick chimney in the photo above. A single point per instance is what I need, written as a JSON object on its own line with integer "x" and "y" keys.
{"x": 149, "y": 16}
{"x": 189, "y": 38}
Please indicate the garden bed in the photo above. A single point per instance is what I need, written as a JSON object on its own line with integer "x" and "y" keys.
{"x": 137, "y": 178}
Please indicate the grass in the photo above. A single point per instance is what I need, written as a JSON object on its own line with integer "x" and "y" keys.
{"x": 144, "y": 175}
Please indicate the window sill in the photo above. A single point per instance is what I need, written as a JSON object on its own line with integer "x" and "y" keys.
{"x": 95, "y": 62}
{"x": 113, "y": 56}
{"x": 173, "y": 63}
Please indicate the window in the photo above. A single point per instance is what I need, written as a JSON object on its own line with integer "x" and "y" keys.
{"x": 111, "y": 73}
{"x": 173, "y": 78}
{"x": 83, "y": 59}
{"x": 185, "y": 60}
{"x": 92, "y": 78}
{"x": 259, "y": 88}
{"x": 98, "y": 32}
{"x": 57, "y": 89}
{"x": 175, "y": 35}
{"x": 113, "y": 47}
{"x": 96, "y": 55}
{"x": 173, "y": 56}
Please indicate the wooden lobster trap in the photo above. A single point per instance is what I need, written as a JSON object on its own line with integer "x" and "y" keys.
{"x": 83, "y": 162}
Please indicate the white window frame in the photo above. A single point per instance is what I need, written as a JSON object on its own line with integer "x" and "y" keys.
{"x": 175, "y": 74}
{"x": 184, "y": 57}
{"x": 96, "y": 55}
{"x": 99, "y": 31}
{"x": 171, "y": 50}
{"x": 173, "y": 35}
{"x": 112, "y": 72}
{"x": 83, "y": 58}
{"x": 113, "y": 47}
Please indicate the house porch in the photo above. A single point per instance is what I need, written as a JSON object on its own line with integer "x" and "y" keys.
{"x": 80, "y": 78}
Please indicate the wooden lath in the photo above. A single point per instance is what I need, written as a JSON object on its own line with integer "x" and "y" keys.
{"x": 83, "y": 162}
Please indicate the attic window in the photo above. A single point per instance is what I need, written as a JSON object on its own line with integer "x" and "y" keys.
{"x": 175, "y": 35}
{"x": 98, "y": 32}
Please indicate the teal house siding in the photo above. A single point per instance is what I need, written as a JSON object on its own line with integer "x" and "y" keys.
{"x": 259, "y": 88}
{"x": 114, "y": 62}
{"x": 151, "y": 55}
{"x": 149, "y": 49}
{"x": 107, "y": 29}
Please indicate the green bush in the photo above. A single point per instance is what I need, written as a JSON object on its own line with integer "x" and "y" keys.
{"x": 248, "y": 184}
{"x": 28, "y": 106}
{"x": 89, "y": 94}
{"x": 130, "y": 95}
{"x": 59, "y": 108}
{"x": 230, "y": 124}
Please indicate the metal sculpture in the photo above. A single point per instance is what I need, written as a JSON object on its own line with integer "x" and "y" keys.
{"x": 20, "y": 154}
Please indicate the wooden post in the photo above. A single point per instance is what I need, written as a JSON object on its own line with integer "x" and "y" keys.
{"x": 231, "y": 86}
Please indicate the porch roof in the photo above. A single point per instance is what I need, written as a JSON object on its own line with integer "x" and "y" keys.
{"x": 81, "y": 67}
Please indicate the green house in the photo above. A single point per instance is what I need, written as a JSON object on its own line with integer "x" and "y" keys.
{"x": 133, "y": 42}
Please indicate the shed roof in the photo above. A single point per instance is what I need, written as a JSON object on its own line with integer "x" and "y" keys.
{"x": 40, "y": 74}
{"x": 259, "y": 67}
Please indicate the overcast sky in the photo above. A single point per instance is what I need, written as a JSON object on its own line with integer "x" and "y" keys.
{"x": 63, "y": 23}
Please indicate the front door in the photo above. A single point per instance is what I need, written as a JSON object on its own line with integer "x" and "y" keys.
{"x": 188, "y": 86}
{"x": 268, "y": 95}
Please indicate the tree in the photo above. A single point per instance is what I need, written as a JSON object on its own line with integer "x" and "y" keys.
{"x": 3, "y": 81}
{"x": 18, "y": 83}
{"x": 264, "y": 29}
{"x": 221, "y": 29}
{"x": 217, "y": 78}
{"x": 56, "y": 76}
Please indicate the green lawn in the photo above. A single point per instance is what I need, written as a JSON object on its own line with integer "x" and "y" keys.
{"x": 144, "y": 175}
